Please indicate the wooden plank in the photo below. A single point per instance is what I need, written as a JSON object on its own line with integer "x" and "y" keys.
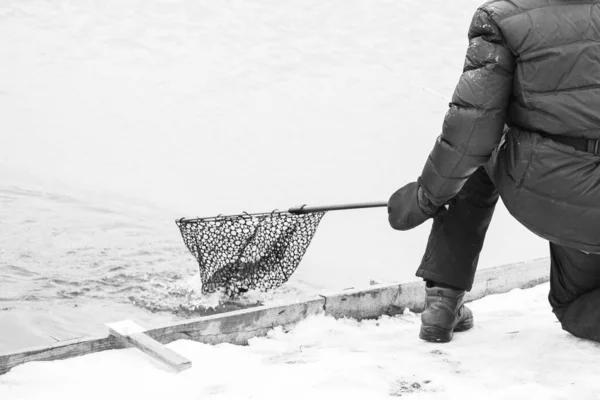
{"x": 235, "y": 327}
{"x": 133, "y": 334}
{"x": 361, "y": 303}
{"x": 375, "y": 300}
{"x": 58, "y": 351}
{"x": 504, "y": 278}
{"x": 391, "y": 299}
{"x": 238, "y": 327}
{"x": 412, "y": 297}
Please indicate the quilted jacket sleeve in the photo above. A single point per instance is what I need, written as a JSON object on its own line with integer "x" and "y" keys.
{"x": 474, "y": 123}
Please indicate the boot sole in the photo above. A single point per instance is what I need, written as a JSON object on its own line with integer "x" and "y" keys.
{"x": 435, "y": 334}
{"x": 439, "y": 335}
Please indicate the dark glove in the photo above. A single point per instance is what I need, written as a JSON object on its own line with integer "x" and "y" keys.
{"x": 409, "y": 207}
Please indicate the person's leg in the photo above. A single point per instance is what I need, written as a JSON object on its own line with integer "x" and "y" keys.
{"x": 575, "y": 291}
{"x": 456, "y": 238}
{"x": 451, "y": 258}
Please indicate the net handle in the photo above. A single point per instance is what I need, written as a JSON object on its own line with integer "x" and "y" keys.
{"x": 304, "y": 209}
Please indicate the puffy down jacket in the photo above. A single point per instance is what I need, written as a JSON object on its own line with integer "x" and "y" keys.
{"x": 532, "y": 67}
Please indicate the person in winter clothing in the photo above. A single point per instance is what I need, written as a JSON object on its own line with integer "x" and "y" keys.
{"x": 523, "y": 125}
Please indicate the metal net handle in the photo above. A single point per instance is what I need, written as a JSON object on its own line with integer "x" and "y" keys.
{"x": 304, "y": 209}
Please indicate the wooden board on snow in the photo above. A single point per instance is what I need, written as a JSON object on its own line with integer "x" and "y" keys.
{"x": 133, "y": 334}
{"x": 390, "y": 299}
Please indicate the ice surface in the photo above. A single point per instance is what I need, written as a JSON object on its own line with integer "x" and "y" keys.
{"x": 516, "y": 350}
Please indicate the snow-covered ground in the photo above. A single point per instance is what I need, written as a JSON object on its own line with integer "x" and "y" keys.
{"x": 516, "y": 350}
{"x": 119, "y": 116}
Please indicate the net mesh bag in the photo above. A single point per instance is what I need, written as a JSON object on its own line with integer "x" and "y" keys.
{"x": 245, "y": 252}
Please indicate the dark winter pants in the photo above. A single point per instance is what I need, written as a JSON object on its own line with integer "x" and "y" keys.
{"x": 456, "y": 240}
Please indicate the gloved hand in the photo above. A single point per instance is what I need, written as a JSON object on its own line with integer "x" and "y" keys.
{"x": 409, "y": 207}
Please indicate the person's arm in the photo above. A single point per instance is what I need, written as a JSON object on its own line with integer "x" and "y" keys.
{"x": 471, "y": 131}
{"x": 474, "y": 123}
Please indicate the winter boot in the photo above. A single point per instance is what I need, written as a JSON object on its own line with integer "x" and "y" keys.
{"x": 444, "y": 314}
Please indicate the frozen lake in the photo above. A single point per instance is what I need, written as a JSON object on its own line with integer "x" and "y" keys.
{"x": 118, "y": 117}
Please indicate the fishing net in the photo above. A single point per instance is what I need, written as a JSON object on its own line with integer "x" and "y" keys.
{"x": 244, "y": 252}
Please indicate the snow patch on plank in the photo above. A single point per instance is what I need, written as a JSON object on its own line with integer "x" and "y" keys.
{"x": 133, "y": 334}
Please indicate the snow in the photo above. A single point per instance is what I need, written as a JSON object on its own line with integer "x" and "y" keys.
{"x": 516, "y": 350}
{"x": 126, "y": 327}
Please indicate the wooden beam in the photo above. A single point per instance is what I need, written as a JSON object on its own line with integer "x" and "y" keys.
{"x": 133, "y": 334}
{"x": 237, "y": 327}
{"x": 374, "y": 301}
{"x": 58, "y": 351}
{"x": 390, "y": 299}
{"x": 504, "y": 278}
